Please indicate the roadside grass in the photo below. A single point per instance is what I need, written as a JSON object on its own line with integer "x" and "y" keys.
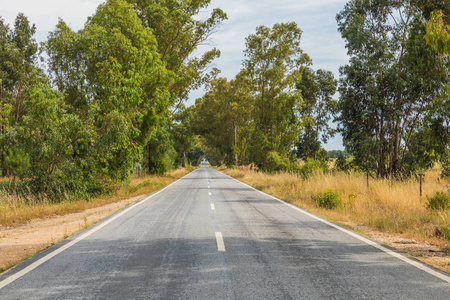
{"x": 387, "y": 206}
{"x": 15, "y": 210}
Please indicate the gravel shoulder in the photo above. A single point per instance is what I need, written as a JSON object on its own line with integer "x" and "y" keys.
{"x": 20, "y": 242}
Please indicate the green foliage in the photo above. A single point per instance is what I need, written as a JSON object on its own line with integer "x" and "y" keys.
{"x": 179, "y": 33}
{"x": 17, "y": 162}
{"x": 438, "y": 33}
{"x": 223, "y": 115}
{"x": 18, "y": 71}
{"x": 328, "y": 199}
{"x": 446, "y": 232}
{"x": 196, "y": 153}
{"x": 117, "y": 78}
{"x": 343, "y": 164}
{"x": 157, "y": 159}
{"x": 275, "y": 163}
{"x": 273, "y": 58}
{"x": 389, "y": 86}
{"x": 337, "y": 154}
{"x": 58, "y": 141}
{"x": 317, "y": 88}
{"x": 311, "y": 167}
{"x": 439, "y": 201}
{"x": 120, "y": 87}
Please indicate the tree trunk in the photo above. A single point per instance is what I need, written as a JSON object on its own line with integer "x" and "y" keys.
{"x": 149, "y": 158}
{"x": 395, "y": 157}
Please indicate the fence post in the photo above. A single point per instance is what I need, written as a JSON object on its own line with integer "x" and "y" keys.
{"x": 420, "y": 180}
{"x": 367, "y": 174}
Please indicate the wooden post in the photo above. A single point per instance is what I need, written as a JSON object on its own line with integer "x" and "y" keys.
{"x": 420, "y": 180}
{"x": 367, "y": 174}
{"x": 235, "y": 145}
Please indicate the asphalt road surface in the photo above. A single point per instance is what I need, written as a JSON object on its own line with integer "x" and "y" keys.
{"x": 208, "y": 236}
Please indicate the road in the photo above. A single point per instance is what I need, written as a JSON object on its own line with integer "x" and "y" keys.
{"x": 208, "y": 236}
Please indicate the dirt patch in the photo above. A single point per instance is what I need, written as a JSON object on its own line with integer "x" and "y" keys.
{"x": 20, "y": 242}
{"x": 434, "y": 255}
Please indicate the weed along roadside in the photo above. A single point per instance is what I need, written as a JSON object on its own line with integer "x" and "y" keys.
{"x": 391, "y": 212}
{"x": 28, "y": 228}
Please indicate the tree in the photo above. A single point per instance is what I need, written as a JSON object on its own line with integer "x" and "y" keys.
{"x": 111, "y": 75}
{"x": 273, "y": 58}
{"x": 390, "y": 83}
{"x": 438, "y": 36}
{"x": 179, "y": 33}
{"x": 182, "y": 133}
{"x": 50, "y": 148}
{"x": 222, "y": 116}
{"x": 318, "y": 107}
{"x": 18, "y": 71}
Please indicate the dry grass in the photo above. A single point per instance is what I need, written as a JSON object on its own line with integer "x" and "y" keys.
{"x": 394, "y": 207}
{"x": 15, "y": 211}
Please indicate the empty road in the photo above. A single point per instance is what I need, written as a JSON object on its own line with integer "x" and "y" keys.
{"x": 208, "y": 236}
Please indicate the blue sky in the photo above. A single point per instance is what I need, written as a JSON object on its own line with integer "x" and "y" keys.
{"x": 320, "y": 40}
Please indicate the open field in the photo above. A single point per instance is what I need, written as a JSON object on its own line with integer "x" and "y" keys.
{"x": 389, "y": 211}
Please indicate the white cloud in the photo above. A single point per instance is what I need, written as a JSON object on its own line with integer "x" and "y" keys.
{"x": 45, "y": 13}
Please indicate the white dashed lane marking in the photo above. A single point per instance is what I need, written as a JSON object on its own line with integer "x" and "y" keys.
{"x": 220, "y": 243}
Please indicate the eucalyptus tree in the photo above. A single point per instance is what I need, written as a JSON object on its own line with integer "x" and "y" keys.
{"x": 18, "y": 61}
{"x": 223, "y": 117}
{"x": 438, "y": 36}
{"x": 50, "y": 148}
{"x": 273, "y": 59}
{"x": 179, "y": 31}
{"x": 318, "y": 88}
{"x": 18, "y": 72}
{"x": 182, "y": 133}
{"x": 390, "y": 83}
{"x": 113, "y": 78}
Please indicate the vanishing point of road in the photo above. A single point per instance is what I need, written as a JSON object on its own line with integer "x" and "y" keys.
{"x": 208, "y": 236}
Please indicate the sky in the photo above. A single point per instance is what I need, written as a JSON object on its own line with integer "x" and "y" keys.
{"x": 316, "y": 18}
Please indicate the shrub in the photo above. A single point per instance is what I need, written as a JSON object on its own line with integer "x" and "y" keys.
{"x": 276, "y": 163}
{"x": 312, "y": 167}
{"x": 439, "y": 201}
{"x": 343, "y": 164}
{"x": 446, "y": 232}
{"x": 328, "y": 199}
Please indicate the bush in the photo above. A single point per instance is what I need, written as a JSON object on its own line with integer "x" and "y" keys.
{"x": 439, "y": 201}
{"x": 312, "y": 167}
{"x": 446, "y": 232}
{"x": 343, "y": 164}
{"x": 275, "y": 163}
{"x": 328, "y": 199}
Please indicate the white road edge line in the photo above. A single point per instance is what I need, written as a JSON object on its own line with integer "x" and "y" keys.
{"x": 402, "y": 257}
{"x": 213, "y": 207}
{"x": 220, "y": 243}
{"x": 52, "y": 254}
